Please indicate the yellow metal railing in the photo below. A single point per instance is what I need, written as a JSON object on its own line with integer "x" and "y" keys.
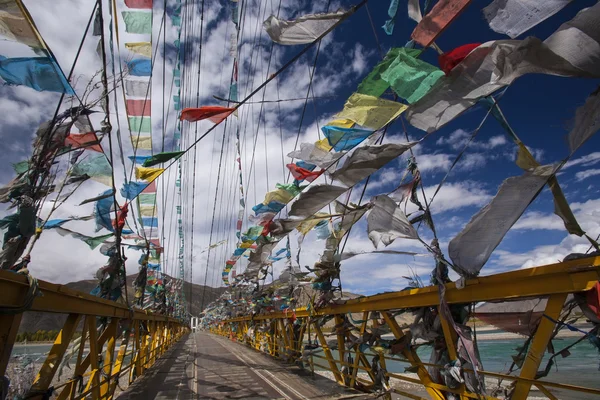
{"x": 143, "y": 338}
{"x": 275, "y": 335}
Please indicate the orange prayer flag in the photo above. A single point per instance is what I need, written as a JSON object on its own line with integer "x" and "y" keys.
{"x": 214, "y": 113}
{"x": 438, "y": 19}
{"x": 89, "y": 141}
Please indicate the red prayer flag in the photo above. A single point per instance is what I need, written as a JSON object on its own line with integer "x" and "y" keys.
{"x": 452, "y": 58}
{"x": 438, "y": 19}
{"x": 214, "y": 113}
{"x": 155, "y": 242}
{"x": 139, "y": 4}
{"x": 151, "y": 188}
{"x": 302, "y": 174}
{"x": 121, "y": 217}
{"x": 89, "y": 141}
{"x": 139, "y": 108}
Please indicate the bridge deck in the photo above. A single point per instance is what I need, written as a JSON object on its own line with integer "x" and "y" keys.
{"x": 205, "y": 366}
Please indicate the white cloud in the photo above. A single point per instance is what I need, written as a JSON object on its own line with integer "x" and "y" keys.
{"x": 586, "y": 161}
{"x": 581, "y": 175}
{"x": 535, "y": 220}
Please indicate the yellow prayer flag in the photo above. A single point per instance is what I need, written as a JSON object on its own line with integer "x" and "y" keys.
{"x": 279, "y": 195}
{"x": 148, "y": 174}
{"x": 307, "y": 225}
{"x": 323, "y": 144}
{"x": 342, "y": 123}
{"x": 148, "y": 211}
{"x": 525, "y": 159}
{"x": 141, "y": 142}
{"x": 141, "y": 48}
{"x": 246, "y": 245}
{"x": 370, "y": 111}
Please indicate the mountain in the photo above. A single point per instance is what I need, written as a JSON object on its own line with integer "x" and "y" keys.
{"x": 34, "y": 321}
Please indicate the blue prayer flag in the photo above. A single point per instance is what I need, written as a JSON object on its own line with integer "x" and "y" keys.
{"x": 131, "y": 190}
{"x": 102, "y": 211}
{"x": 273, "y": 206}
{"x": 150, "y": 221}
{"x": 344, "y": 138}
{"x": 138, "y": 159}
{"x": 140, "y": 67}
{"x": 39, "y": 73}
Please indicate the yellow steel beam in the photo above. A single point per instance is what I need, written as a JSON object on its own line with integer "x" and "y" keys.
{"x": 363, "y": 327}
{"x": 55, "y": 356}
{"x": 94, "y": 381}
{"x": 539, "y": 344}
{"x": 61, "y": 299}
{"x": 9, "y": 327}
{"x": 332, "y": 365}
{"x": 413, "y": 358}
{"x": 565, "y": 277}
{"x": 109, "y": 355}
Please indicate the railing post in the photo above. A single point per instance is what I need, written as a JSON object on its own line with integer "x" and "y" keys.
{"x": 363, "y": 327}
{"x": 341, "y": 335}
{"x": 413, "y": 358}
{"x": 55, "y": 356}
{"x": 94, "y": 380}
{"x": 9, "y": 327}
{"x": 539, "y": 344}
{"x": 109, "y": 355}
{"x": 334, "y": 369}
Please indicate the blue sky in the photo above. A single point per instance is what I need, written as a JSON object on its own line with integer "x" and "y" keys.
{"x": 540, "y": 109}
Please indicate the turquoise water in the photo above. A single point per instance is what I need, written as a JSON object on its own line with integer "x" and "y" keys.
{"x": 581, "y": 368}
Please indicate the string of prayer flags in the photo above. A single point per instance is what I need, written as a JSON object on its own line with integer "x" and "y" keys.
{"x": 437, "y": 20}
{"x": 303, "y": 30}
{"x": 370, "y": 111}
{"x": 161, "y": 158}
{"x": 452, "y": 58}
{"x": 515, "y": 17}
{"x": 215, "y": 114}
{"x": 494, "y": 65}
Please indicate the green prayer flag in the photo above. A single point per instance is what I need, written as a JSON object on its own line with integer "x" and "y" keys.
{"x": 21, "y": 167}
{"x": 138, "y": 21}
{"x": 147, "y": 198}
{"x": 161, "y": 158}
{"x": 291, "y": 188}
{"x": 94, "y": 242}
{"x": 409, "y": 77}
{"x": 96, "y": 167}
{"x": 373, "y": 84}
{"x": 140, "y": 125}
